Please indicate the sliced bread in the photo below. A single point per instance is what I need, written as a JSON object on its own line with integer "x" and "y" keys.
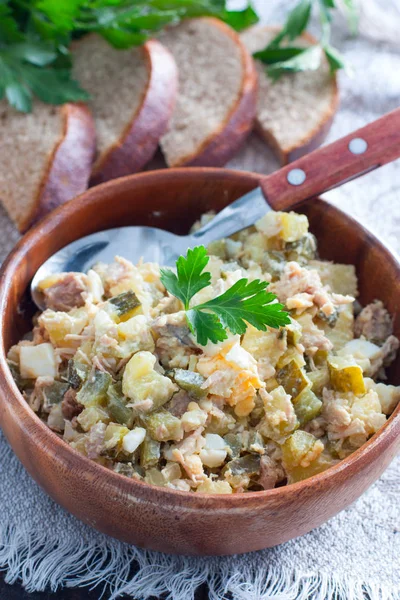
{"x": 46, "y": 158}
{"x": 217, "y": 96}
{"x": 133, "y": 93}
{"x": 294, "y": 114}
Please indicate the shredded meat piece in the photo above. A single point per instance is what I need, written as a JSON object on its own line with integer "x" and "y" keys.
{"x": 69, "y": 405}
{"x": 270, "y": 473}
{"x": 36, "y": 399}
{"x": 95, "y": 441}
{"x": 385, "y": 357}
{"x": 374, "y": 323}
{"x": 66, "y": 293}
{"x": 178, "y": 403}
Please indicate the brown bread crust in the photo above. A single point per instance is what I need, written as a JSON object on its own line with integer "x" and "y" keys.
{"x": 223, "y": 144}
{"x": 69, "y": 164}
{"x": 139, "y": 141}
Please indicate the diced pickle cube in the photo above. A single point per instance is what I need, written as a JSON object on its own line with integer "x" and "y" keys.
{"x": 150, "y": 452}
{"x": 94, "y": 390}
{"x": 162, "y": 426}
{"x": 114, "y": 436}
{"x": 144, "y": 385}
{"x": 346, "y": 375}
{"x": 214, "y": 487}
{"x": 54, "y": 393}
{"x": 293, "y": 379}
{"x": 190, "y": 381}
{"x": 124, "y": 305}
{"x": 116, "y": 404}
{"x": 77, "y": 373}
{"x": 92, "y": 415}
{"x": 320, "y": 464}
{"x": 246, "y": 465}
{"x": 300, "y": 450}
{"x": 233, "y": 443}
{"x": 307, "y": 406}
{"x": 302, "y": 250}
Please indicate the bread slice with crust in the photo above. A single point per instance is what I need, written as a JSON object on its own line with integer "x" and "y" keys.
{"x": 295, "y": 113}
{"x": 46, "y": 158}
{"x": 217, "y": 95}
{"x": 133, "y": 94}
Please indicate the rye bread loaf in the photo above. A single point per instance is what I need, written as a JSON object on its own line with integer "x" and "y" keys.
{"x": 295, "y": 113}
{"x": 46, "y": 158}
{"x": 133, "y": 93}
{"x": 216, "y": 102}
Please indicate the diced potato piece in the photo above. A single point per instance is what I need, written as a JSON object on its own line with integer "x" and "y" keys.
{"x": 307, "y": 406}
{"x": 346, "y": 375}
{"x": 300, "y": 450}
{"x": 342, "y": 279}
{"x": 134, "y": 335}
{"x": 141, "y": 382}
{"x": 214, "y": 487}
{"x": 92, "y": 415}
{"x": 162, "y": 426}
{"x": 116, "y": 404}
{"x": 133, "y": 439}
{"x": 293, "y": 379}
{"x": 368, "y": 410}
{"x": 60, "y": 324}
{"x": 155, "y": 477}
{"x": 270, "y": 344}
{"x": 94, "y": 390}
{"x": 37, "y": 361}
{"x": 319, "y": 379}
{"x": 114, "y": 435}
{"x": 149, "y": 452}
{"x": 288, "y": 226}
{"x": 193, "y": 418}
{"x": 342, "y": 332}
{"x": 214, "y": 452}
{"x": 389, "y": 395}
{"x": 280, "y": 418}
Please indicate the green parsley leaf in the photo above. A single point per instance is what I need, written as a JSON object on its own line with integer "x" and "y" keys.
{"x": 352, "y": 15}
{"x": 307, "y": 60}
{"x": 270, "y": 56}
{"x": 206, "y": 327}
{"x": 190, "y": 278}
{"x": 296, "y": 23}
{"x": 245, "y": 302}
{"x": 335, "y": 58}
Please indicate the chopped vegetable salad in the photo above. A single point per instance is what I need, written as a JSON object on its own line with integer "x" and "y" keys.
{"x": 114, "y": 368}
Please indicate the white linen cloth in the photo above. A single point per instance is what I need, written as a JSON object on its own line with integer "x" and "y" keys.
{"x": 354, "y": 556}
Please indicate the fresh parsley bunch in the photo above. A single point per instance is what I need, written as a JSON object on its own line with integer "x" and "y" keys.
{"x": 244, "y": 302}
{"x": 35, "y": 36}
{"x": 281, "y": 56}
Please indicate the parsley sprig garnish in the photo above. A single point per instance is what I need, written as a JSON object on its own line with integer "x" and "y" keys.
{"x": 245, "y": 302}
{"x": 282, "y": 56}
{"x": 35, "y": 36}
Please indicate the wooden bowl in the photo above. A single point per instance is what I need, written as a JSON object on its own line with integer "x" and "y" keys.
{"x": 160, "y": 518}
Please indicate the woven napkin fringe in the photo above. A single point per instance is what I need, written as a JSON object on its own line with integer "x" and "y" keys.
{"x": 53, "y": 561}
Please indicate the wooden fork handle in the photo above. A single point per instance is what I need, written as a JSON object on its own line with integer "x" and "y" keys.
{"x": 326, "y": 168}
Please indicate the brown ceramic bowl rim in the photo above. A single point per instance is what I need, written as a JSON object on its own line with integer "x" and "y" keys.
{"x": 65, "y": 452}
